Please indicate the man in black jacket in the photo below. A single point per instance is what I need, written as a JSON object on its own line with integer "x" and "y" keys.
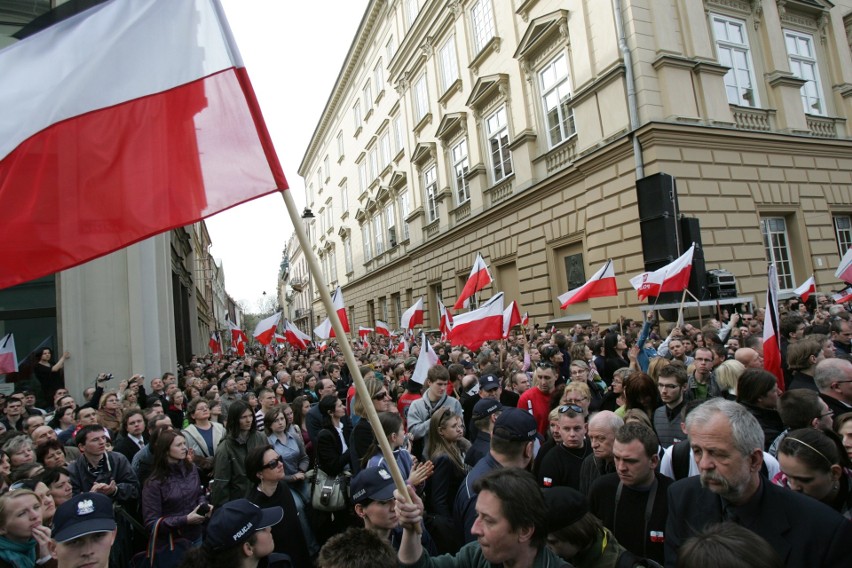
{"x": 727, "y": 442}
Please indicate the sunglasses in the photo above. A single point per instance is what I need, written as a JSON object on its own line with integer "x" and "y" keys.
{"x": 274, "y": 463}
{"x": 572, "y": 407}
{"x": 381, "y": 396}
{"x": 545, "y": 365}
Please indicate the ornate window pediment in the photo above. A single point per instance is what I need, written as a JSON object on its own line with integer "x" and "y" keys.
{"x": 398, "y": 179}
{"x": 423, "y": 152}
{"x": 488, "y": 90}
{"x": 543, "y": 32}
{"x": 451, "y": 125}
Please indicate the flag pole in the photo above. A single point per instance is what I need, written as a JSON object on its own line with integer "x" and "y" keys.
{"x": 682, "y": 300}
{"x": 349, "y": 356}
{"x": 620, "y": 316}
{"x": 698, "y": 302}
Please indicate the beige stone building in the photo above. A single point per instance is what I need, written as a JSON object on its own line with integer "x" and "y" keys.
{"x": 518, "y": 129}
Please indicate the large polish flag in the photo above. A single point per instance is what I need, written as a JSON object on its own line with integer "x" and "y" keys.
{"x": 295, "y": 336}
{"x": 425, "y": 360}
{"x": 844, "y": 270}
{"x": 238, "y": 339}
{"x": 479, "y": 278}
{"x": 673, "y": 277}
{"x": 601, "y": 284}
{"x": 413, "y": 315}
{"x": 511, "y": 318}
{"x": 382, "y": 328}
{"x": 120, "y": 122}
{"x": 805, "y": 290}
{"x": 475, "y": 327}
{"x": 264, "y": 331}
{"x": 771, "y": 337}
{"x": 325, "y": 330}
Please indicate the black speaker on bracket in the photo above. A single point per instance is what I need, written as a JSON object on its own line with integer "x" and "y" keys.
{"x": 656, "y": 196}
{"x": 690, "y": 230}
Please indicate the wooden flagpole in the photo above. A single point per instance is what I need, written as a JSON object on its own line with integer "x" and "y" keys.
{"x": 349, "y": 356}
{"x": 700, "y": 318}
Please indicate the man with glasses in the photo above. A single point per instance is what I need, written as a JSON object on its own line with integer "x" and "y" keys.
{"x": 536, "y": 400}
{"x": 562, "y": 465}
{"x": 671, "y": 384}
{"x": 801, "y": 408}
{"x": 833, "y": 378}
{"x": 701, "y": 384}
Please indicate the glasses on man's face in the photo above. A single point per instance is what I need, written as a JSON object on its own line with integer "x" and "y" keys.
{"x": 576, "y": 400}
{"x": 572, "y": 407}
{"x": 381, "y": 395}
{"x": 274, "y": 463}
{"x": 545, "y": 365}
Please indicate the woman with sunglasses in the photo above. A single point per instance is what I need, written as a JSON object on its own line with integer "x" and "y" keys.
{"x": 265, "y": 467}
{"x": 362, "y": 437}
{"x": 173, "y": 491}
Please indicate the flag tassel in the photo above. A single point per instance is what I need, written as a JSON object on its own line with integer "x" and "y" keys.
{"x": 348, "y": 354}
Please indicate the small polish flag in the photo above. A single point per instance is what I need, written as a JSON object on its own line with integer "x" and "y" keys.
{"x": 295, "y": 336}
{"x": 265, "y": 329}
{"x": 402, "y": 347}
{"x": 479, "y": 278}
{"x": 425, "y": 360}
{"x": 805, "y": 290}
{"x": 475, "y": 327}
{"x": 322, "y": 346}
{"x": 843, "y": 296}
{"x": 844, "y": 270}
{"x": 364, "y": 331}
{"x": 525, "y": 319}
{"x": 413, "y": 315}
{"x": 446, "y": 321}
{"x": 673, "y": 277}
{"x": 601, "y": 284}
{"x": 215, "y": 343}
{"x": 771, "y": 336}
{"x": 511, "y": 318}
{"x": 8, "y": 355}
{"x": 382, "y": 328}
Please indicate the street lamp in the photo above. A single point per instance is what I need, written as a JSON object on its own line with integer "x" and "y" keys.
{"x": 308, "y": 218}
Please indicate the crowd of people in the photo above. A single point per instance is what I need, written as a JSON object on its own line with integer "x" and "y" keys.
{"x": 633, "y": 444}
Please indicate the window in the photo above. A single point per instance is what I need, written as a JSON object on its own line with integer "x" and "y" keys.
{"x": 340, "y": 145}
{"x": 329, "y": 220}
{"x": 397, "y": 134}
{"x": 322, "y": 225}
{"x": 356, "y": 114}
{"x": 362, "y": 176}
{"x": 448, "y": 63}
{"x": 310, "y": 194}
{"x": 332, "y": 265}
{"x": 344, "y": 197}
{"x": 390, "y": 48}
{"x": 498, "y": 143}
{"x": 365, "y": 237}
{"x": 482, "y": 21}
{"x": 319, "y": 180}
{"x": 733, "y": 52}
{"x": 324, "y": 265}
{"x": 421, "y": 98}
{"x": 347, "y": 255}
{"x": 800, "y": 50}
{"x": 458, "y": 153}
{"x": 327, "y": 168}
{"x": 377, "y": 231}
{"x": 374, "y": 164}
{"x": 411, "y": 10}
{"x": 777, "y": 244}
{"x": 843, "y": 233}
{"x": 556, "y": 98}
{"x": 405, "y": 209}
{"x": 430, "y": 182}
{"x": 390, "y": 224}
{"x": 384, "y": 148}
{"x": 379, "y": 77}
{"x": 368, "y": 98}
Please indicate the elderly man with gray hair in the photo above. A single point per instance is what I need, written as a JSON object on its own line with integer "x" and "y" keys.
{"x": 833, "y": 379}
{"x": 602, "y": 428}
{"x": 727, "y": 442}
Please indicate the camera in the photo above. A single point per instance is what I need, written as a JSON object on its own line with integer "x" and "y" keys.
{"x": 105, "y": 378}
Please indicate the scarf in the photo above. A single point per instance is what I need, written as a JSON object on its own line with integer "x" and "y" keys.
{"x": 18, "y": 554}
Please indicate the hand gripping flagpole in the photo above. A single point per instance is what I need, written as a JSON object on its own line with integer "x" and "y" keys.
{"x": 360, "y": 386}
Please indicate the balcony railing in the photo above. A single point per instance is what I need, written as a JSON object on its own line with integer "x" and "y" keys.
{"x": 821, "y": 126}
{"x": 501, "y": 191}
{"x": 752, "y": 118}
{"x": 561, "y": 156}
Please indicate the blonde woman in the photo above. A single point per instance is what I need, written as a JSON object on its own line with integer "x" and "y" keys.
{"x": 23, "y": 537}
{"x": 579, "y": 394}
{"x": 727, "y": 375}
{"x": 109, "y": 412}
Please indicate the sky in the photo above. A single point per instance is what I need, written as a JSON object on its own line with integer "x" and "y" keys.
{"x": 293, "y": 52}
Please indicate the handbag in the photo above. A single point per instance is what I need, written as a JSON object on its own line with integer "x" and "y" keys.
{"x": 167, "y": 555}
{"x": 329, "y": 494}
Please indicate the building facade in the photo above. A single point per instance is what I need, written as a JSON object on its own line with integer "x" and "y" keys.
{"x": 518, "y": 130}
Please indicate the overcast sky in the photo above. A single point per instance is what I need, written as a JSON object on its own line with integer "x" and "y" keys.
{"x": 293, "y": 52}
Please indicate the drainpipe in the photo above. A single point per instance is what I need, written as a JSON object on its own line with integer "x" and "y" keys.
{"x": 632, "y": 107}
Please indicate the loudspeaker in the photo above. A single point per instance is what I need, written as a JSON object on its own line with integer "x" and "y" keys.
{"x": 656, "y": 196}
{"x": 690, "y": 230}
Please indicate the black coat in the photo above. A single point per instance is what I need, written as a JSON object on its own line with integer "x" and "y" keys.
{"x": 330, "y": 455}
{"x": 803, "y": 531}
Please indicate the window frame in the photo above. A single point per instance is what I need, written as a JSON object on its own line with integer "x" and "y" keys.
{"x": 732, "y": 75}
{"x": 366, "y": 241}
{"x": 448, "y": 63}
{"x": 482, "y": 31}
{"x": 405, "y": 211}
{"x": 461, "y": 160}
{"x": 813, "y": 60}
{"x": 566, "y": 126}
{"x": 774, "y": 250}
{"x": 842, "y": 235}
{"x": 501, "y": 136}
{"x": 420, "y": 98}
{"x": 430, "y": 192}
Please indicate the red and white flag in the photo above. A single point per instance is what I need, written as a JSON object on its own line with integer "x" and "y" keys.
{"x": 364, "y": 331}
{"x": 843, "y": 296}
{"x": 445, "y": 324}
{"x": 805, "y": 290}
{"x": 382, "y": 328}
{"x": 215, "y": 343}
{"x": 280, "y": 338}
{"x": 325, "y": 330}
{"x": 475, "y": 327}
{"x": 413, "y": 315}
{"x": 525, "y": 319}
{"x": 295, "y": 336}
{"x": 265, "y": 330}
{"x": 238, "y": 339}
{"x": 8, "y": 355}
{"x": 673, "y": 277}
{"x": 479, "y": 278}
{"x": 323, "y": 346}
{"x": 511, "y": 318}
{"x": 771, "y": 333}
{"x": 601, "y": 284}
{"x": 425, "y": 360}
{"x": 402, "y": 346}
{"x": 124, "y": 121}
{"x": 844, "y": 269}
